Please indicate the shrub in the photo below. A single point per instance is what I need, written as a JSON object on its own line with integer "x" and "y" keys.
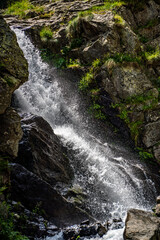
{"x": 46, "y": 33}
{"x": 145, "y": 155}
{"x": 85, "y": 81}
{"x": 7, "y": 231}
{"x": 96, "y": 110}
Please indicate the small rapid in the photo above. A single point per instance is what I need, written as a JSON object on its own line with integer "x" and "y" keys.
{"x": 111, "y": 174}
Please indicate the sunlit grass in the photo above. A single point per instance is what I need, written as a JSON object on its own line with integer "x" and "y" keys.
{"x": 21, "y": 8}
{"x": 152, "y": 55}
{"x": 46, "y": 33}
{"x": 119, "y": 20}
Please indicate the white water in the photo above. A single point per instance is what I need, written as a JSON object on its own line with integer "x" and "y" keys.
{"x": 110, "y": 174}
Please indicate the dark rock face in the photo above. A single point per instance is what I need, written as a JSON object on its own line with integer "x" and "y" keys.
{"x": 40, "y": 151}
{"x": 29, "y": 189}
{"x": 13, "y": 65}
{"x": 13, "y": 72}
{"x": 32, "y": 224}
{"x": 141, "y": 225}
{"x": 85, "y": 230}
{"x": 10, "y": 132}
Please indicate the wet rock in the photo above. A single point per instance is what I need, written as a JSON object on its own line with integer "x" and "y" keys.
{"x": 76, "y": 195}
{"x": 30, "y": 190}
{"x": 41, "y": 152}
{"x": 141, "y": 225}
{"x": 13, "y": 65}
{"x": 10, "y": 132}
{"x": 31, "y": 224}
{"x": 86, "y": 222}
{"x": 150, "y": 11}
{"x": 84, "y": 231}
{"x": 101, "y": 230}
{"x": 158, "y": 200}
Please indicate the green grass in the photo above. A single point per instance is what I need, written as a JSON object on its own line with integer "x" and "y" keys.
{"x": 152, "y": 55}
{"x": 21, "y": 8}
{"x": 46, "y": 33}
{"x": 88, "y": 78}
{"x": 108, "y": 5}
{"x": 86, "y": 81}
{"x": 123, "y": 57}
{"x": 119, "y": 20}
{"x": 73, "y": 63}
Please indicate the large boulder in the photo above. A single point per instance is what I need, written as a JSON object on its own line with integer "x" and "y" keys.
{"x": 13, "y": 65}
{"x": 10, "y": 132}
{"x": 41, "y": 152}
{"x": 141, "y": 225}
{"x": 29, "y": 189}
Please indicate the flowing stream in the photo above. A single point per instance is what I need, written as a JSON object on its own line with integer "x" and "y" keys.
{"x": 107, "y": 169}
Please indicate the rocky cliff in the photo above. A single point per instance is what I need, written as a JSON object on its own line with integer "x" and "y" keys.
{"x": 117, "y": 46}
{"x": 13, "y": 73}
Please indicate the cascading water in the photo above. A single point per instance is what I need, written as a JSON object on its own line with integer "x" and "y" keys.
{"x": 111, "y": 174}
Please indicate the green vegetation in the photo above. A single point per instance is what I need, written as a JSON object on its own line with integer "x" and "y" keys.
{"x": 86, "y": 81}
{"x": 46, "y": 33}
{"x": 21, "y": 8}
{"x": 85, "y": 85}
{"x": 96, "y": 110}
{"x": 7, "y": 224}
{"x": 119, "y": 20}
{"x": 145, "y": 155}
{"x": 129, "y": 105}
{"x": 73, "y": 27}
{"x": 143, "y": 39}
{"x": 38, "y": 209}
{"x": 107, "y": 5}
{"x": 73, "y": 63}
{"x": 152, "y": 55}
{"x": 57, "y": 60}
{"x": 123, "y": 57}
{"x": 46, "y": 15}
{"x": 7, "y": 228}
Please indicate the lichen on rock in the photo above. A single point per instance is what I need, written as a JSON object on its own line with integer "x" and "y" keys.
{"x": 13, "y": 66}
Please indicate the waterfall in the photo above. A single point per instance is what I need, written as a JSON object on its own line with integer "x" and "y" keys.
{"x": 109, "y": 171}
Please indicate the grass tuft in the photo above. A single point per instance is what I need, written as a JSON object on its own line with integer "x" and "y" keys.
{"x": 46, "y": 33}
{"x": 21, "y": 8}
